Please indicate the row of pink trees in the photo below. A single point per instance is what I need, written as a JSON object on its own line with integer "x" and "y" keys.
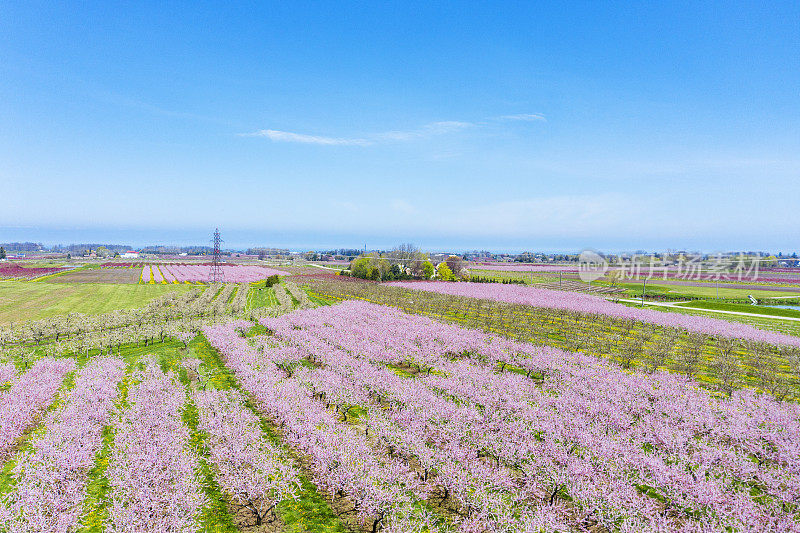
{"x": 50, "y": 477}
{"x": 379, "y": 489}
{"x": 153, "y": 474}
{"x": 27, "y": 398}
{"x": 618, "y": 449}
{"x": 256, "y": 474}
{"x": 588, "y": 304}
{"x": 723, "y": 362}
{"x": 232, "y": 273}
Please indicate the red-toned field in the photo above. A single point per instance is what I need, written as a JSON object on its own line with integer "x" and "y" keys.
{"x": 14, "y": 270}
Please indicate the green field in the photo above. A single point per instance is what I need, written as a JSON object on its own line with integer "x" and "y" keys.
{"x": 261, "y": 297}
{"x": 768, "y": 322}
{"x": 742, "y": 308}
{"x": 707, "y": 291}
{"x": 530, "y": 278}
{"x": 634, "y": 288}
{"x": 21, "y": 300}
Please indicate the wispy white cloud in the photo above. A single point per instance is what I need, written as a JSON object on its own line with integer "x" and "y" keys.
{"x": 433, "y": 129}
{"x": 428, "y": 130}
{"x": 288, "y": 136}
{"x": 525, "y": 117}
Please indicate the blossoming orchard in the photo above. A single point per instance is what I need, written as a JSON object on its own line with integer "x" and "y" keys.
{"x": 399, "y": 267}
{"x": 297, "y": 397}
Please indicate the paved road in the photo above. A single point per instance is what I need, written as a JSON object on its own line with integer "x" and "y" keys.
{"x": 321, "y": 266}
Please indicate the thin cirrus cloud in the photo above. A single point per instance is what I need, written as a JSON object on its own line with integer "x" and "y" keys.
{"x": 525, "y": 117}
{"x": 428, "y": 130}
{"x": 290, "y": 137}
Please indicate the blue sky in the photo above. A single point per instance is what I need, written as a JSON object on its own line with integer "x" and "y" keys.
{"x": 506, "y": 126}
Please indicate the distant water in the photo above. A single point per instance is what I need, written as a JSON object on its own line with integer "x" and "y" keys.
{"x": 795, "y": 307}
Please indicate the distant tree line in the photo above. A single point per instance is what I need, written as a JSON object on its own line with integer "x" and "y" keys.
{"x": 80, "y": 249}
{"x": 175, "y": 250}
{"x": 343, "y": 252}
{"x": 262, "y": 251}
{"x": 22, "y": 246}
{"x": 406, "y": 262}
{"x": 528, "y": 257}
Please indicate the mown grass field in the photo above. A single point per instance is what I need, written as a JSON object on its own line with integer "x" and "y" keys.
{"x": 772, "y": 323}
{"x": 530, "y": 278}
{"x": 742, "y": 308}
{"x": 707, "y": 291}
{"x": 21, "y": 300}
{"x": 261, "y": 297}
{"x": 634, "y": 288}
